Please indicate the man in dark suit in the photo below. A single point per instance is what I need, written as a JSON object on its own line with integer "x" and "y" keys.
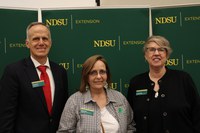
{"x": 23, "y": 105}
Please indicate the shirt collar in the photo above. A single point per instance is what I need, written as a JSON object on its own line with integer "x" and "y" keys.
{"x": 109, "y": 93}
{"x": 36, "y": 63}
{"x": 88, "y": 96}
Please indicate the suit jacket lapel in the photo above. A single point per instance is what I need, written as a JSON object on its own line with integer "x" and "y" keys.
{"x": 32, "y": 73}
{"x": 56, "y": 80}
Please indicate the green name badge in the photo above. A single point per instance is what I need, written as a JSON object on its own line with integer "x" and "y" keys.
{"x": 141, "y": 92}
{"x": 37, "y": 83}
{"x": 87, "y": 111}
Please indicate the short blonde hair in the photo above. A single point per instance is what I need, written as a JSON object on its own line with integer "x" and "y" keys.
{"x": 159, "y": 40}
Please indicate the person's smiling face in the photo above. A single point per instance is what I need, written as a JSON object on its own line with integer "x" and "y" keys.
{"x": 97, "y": 76}
{"x": 39, "y": 41}
{"x": 155, "y": 55}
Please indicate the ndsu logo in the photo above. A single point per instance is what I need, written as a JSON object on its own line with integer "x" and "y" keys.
{"x": 65, "y": 65}
{"x": 166, "y": 20}
{"x": 172, "y": 62}
{"x": 104, "y": 43}
{"x": 56, "y": 22}
{"x": 113, "y": 86}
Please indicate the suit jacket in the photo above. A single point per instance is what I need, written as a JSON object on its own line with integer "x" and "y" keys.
{"x": 22, "y": 107}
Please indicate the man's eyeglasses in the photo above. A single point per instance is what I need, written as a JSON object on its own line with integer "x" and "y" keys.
{"x": 95, "y": 73}
{"x": 153, "y": 50}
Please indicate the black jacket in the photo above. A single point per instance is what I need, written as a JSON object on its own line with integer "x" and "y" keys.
{"x": 175, "y": 110}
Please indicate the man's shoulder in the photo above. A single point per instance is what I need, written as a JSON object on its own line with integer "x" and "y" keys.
{"x": 56, "y": 65}
{"x": 17, "y": 63}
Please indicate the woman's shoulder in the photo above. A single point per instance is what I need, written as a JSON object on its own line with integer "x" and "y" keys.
{"x": 140, "y": 77}
{"x": 177, "y": 72}
{"x": 76, "y": 95}
{"x": 115, "y": 93}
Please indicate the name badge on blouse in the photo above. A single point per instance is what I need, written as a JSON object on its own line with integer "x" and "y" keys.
{"x": 39, "y": 83}
{"x": 86, "y": 111}
{"x": 141, "y": 92}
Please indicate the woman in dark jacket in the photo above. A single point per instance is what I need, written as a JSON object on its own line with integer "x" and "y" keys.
{"x": 163, "y": 100}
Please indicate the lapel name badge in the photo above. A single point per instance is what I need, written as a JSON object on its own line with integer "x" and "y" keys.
{"x": 86, "y": 111}
{"x": 141, "y": 92}
{"x": 39, "y": 83}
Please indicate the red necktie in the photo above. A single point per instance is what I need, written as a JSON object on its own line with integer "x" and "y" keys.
{"x": 46, "y": 88}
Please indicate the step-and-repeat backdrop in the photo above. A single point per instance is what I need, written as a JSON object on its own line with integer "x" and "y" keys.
{"x": 13, "y": 25}
{"x": 182, "y": 28}
{"x": 116, "y": 33}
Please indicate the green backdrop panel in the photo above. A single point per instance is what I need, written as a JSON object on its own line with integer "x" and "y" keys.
{"x": 13, "y": 34}
{"x": 181, "y": 26}
{"x": 118, "y": 34}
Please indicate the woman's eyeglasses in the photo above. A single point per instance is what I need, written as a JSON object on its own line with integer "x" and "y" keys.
{"x": 95, "y": 73}
{"x": 153, "y": 50}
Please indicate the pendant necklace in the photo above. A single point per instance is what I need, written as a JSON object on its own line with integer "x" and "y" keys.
{"x": 156, "y": 94}
{"x": 156, "y": 90}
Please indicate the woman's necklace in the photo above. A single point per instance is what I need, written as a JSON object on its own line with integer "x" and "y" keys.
{"x": 156, "y": 86}
{"x": 155, "y": 80}
{"x": 156, "y": 94}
